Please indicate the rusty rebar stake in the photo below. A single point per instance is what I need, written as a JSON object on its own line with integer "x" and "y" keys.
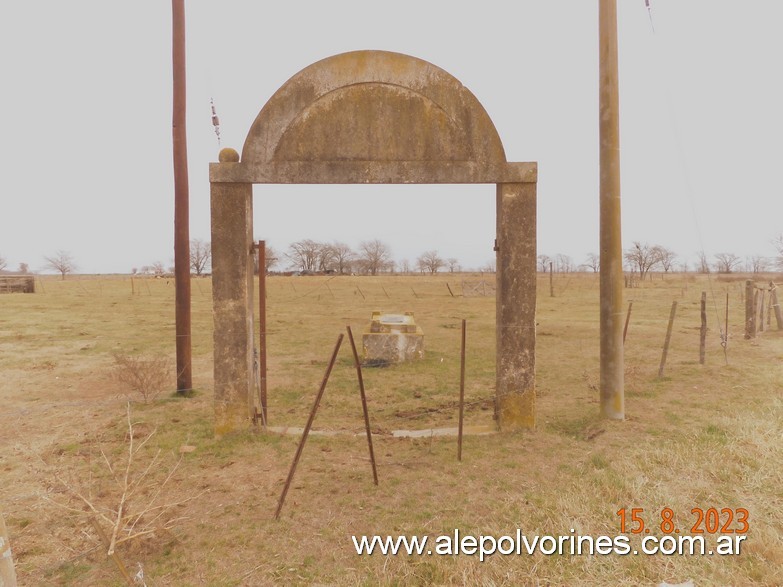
{"x": 114, "y": 556}
{"x": 461, "y": 392}
{"x": 308, "y": 426}
{"x": 364, "y": 404}
{"x": 262, "y": 372}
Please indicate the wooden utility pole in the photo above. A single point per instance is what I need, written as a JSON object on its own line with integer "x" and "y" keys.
{"x": 612, "y": 364}
{"x": 181, "y": 203}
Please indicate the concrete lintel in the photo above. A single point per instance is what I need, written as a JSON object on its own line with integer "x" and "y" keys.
{"x": 373, "y": 172}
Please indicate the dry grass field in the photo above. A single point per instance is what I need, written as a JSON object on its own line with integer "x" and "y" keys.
{"x": 700, "y": 437}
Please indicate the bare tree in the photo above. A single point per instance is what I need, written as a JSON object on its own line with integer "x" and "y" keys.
{"x": 405, "y": 266}
{"x": 726, "y": 262}
{"x": 703, "y": 263}
{"x": 158, "y": 269}
{"x": 543, "y": 262}
{"x": 3, "y": 263}
{"x": 563, "y": 263}
{"x": 453, "y": 264}
{"x": 24, "y": 268}
{"x": 642, "y": 257}
{"x": 778, "y": 244}
{"x": 666, "y": 257}
{"x": 375, "y": 256}
{"x": 342, "y": 256}
{"x": 200, "y": 255}
{"x": 489, "y": 267}
{"x": 593, "y": 262}
{"x": 326, "y": 257}
{"x": 271, "y": 257}
{"x": 757, "y": 264}
{"x": 62, "y": 262}
{"x": 305, "y": 254}
{"x": 430, "y": 261}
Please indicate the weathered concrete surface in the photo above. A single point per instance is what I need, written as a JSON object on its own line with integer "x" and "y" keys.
{"x": 373, "y": 172}
{"x": 372, "y": 117}
{"x": 478, "y": 430}
{"x": 232, "y": 294}
{"x": 373, "y": 106}
{"x": 392, "y": 338}
{"x": 516, "y": 306}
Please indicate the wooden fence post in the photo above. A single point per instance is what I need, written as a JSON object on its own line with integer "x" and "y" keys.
{"x": 668, "y": 339}
{"x": 775, "y": 305}
{"x": 703, "y": 330}
{"x": 627, "y": 320}
{"x": 750, "y": 314}
{"x": 551, "y": 285}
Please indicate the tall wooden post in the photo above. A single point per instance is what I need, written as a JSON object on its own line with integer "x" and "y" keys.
{"x": 181, "y": 204}
{"x": 612, "y": 364}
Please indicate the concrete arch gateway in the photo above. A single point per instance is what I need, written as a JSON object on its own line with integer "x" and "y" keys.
{"x": 371, "y": 117}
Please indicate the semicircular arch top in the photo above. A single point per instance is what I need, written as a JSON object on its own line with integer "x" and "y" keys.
{"x": 373, "y": 106}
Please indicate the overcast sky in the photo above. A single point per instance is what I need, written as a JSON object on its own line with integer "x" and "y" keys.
{"x": 86, "y": 166}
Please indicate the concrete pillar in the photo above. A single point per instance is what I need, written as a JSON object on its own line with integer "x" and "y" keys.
{"x": 516, "y": 306}
{"x": 232, "y": 305}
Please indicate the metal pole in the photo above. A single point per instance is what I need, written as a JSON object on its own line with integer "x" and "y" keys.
{"x": 181, "y": 203}
{"x": 309, "y": 424}
{"x": 358, "y": 364}
{"x": 461, "y": 392}
{"x": 612, "y": 366}
{"x": 262, "y": 329}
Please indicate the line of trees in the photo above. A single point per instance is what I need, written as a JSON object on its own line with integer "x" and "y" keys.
{"x": 641, "y": 258}
{"x": 372, "y": 257}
